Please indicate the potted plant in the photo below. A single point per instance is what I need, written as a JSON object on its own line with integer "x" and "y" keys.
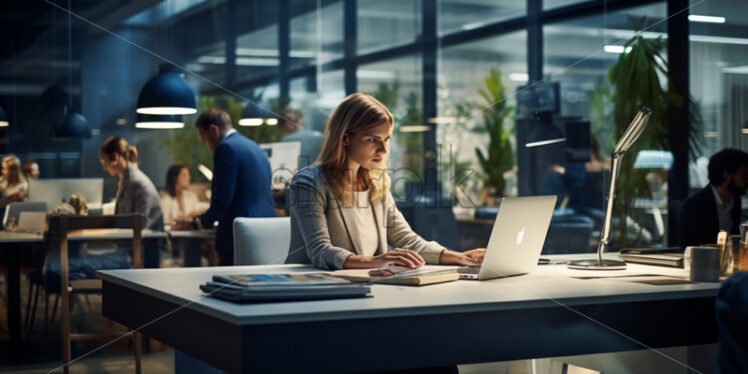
{"x": 498, "y": 158}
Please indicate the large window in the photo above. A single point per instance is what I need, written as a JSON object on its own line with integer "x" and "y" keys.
{"x": 387, "y": 23}
{"x": 463, "y": 71}
{"x": 459, "y": 15}
{"x": 479, "y": 44}
{"x": 316, "y": 96}
{"x": 719, "y": 78}
{"x": 578, "y": 56}
{"x": 316, "y": 35}
{"x": 397, "y": 84}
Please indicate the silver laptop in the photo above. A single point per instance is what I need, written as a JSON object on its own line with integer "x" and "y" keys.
{"x": 13, "y": 211}
{"x": 516, "y": 239}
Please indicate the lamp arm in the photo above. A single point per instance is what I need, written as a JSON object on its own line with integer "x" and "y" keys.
{"x": 605, "y": 234}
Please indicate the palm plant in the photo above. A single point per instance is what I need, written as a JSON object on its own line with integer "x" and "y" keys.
{"x": 499, "y": 157}
{"x": 636, "y": 78}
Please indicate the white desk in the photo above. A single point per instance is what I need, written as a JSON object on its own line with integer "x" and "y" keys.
{"x": 543, "y": 314}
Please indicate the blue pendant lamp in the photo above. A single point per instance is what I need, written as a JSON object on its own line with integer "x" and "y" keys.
{"x": 167, "y": 94}
{"x": 152, "y": 121}
{"x": 72, "y": 125}
{"x": 257, "y": 112}
{"x": 3, "y": 118}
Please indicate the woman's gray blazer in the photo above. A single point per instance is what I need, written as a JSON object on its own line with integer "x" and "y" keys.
{"x": 321, "y": 233}
{"x": 137, "y": 194}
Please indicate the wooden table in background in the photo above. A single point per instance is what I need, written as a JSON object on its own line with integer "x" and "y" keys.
{"x": 13, "y": 243}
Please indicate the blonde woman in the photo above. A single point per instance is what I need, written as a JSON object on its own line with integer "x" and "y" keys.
{"x": 13, "y": 185}
{"x": 342, "y": 212}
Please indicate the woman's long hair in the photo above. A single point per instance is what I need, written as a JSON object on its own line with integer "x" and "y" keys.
{"x": 118, "y": 145}
{"x": 171, "y": 178}
{"x": 358, "y": 112}
{"x": 14, "y": 167}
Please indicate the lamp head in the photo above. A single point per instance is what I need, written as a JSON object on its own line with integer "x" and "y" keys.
{"x": 634, "y": 131}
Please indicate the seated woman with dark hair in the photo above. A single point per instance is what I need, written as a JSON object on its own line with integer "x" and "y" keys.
{"x": 178, "y": 203}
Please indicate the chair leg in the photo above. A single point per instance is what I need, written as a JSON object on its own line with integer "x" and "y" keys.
{"x": 54, "y": 309}
{"x": 28, "y": 306}
{"x": 33, "y": 316}
{"x": 46, "y": 311}
{"x": 65, "y": 315}
{"x": 88, "y": 303}
{"x": 137, "y": 347}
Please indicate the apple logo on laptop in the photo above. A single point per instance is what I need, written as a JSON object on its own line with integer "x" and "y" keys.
{"x": 521, "y": 235}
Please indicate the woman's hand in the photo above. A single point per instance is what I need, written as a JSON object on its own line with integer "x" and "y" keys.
{"x": 181, "y": 225}
{"x": 396, "y": 256}
{"x": 20, "y": 195}
{"x": 469, "y": 258}
{"x": 476, "y": 254}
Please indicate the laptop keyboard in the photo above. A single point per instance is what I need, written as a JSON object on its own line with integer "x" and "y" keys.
{"x": 469, "y": 270}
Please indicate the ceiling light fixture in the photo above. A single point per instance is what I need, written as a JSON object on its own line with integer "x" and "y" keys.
{"x": 156, "y": 122}
{"x": 257, "y": 112}
{"x": 616, "y": 49}
{"x": 415, "y": 128}
{"x": 3, "y": 118}
{"x": 73, "y": 124}
{"x": 167, "y": 93}
{"x": 706, "y": 19}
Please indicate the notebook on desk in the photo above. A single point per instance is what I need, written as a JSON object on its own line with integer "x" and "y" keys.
{"x": 516, "y": 239}
{"x": 281, "y": 287}
{"x": 413, "y": 277}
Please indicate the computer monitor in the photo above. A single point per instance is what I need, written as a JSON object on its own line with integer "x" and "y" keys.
{"x": 539, "y": 97}
{"x": 578, "y": 141}
{"x": 58, "y": 190}
{"x": 13, "y": 211}
{"x": 284, "y": 161}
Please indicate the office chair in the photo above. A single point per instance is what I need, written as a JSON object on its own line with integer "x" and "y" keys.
{"x": 59, "y": 229}
{"x": 261, "y": 241}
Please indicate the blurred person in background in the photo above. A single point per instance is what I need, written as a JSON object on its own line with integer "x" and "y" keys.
{"x": 31, "y": 169}
{"x": 136, "y": 193}
{"x": 13, "y": 185}
{"x": 178, "y": 203}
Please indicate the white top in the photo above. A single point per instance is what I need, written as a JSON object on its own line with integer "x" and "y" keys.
{"x": 170, "y": 206}
{"x": 724, "y": 210}
{"x": 6, "y": 192}
{"x": 363, "y": 218}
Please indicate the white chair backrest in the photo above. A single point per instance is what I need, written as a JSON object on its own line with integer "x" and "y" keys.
{"x": 261, "y": 241}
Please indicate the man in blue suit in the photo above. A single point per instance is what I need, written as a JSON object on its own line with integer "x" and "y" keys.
{"x": 241, "y": 180}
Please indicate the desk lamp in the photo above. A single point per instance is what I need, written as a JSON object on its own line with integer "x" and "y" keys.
{"x": 632, "y": 133}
